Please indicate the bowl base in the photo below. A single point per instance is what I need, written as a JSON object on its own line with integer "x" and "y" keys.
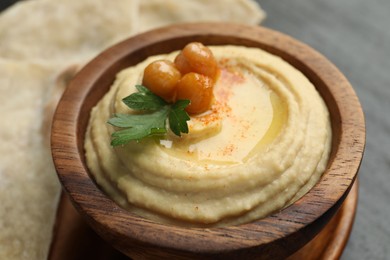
{"x": 73, "y": 239}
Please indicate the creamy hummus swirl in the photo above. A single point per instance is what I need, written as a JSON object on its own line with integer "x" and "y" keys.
{"x": 263, "y": 145}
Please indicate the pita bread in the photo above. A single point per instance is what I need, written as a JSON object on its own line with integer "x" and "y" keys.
{"x": 40, "y": 40}
{"x": 29, "y": 188}
{"x": 155, "y": 13}
{"x": 64, "y": 30}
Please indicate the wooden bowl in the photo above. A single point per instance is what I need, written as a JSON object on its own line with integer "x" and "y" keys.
{"x": 273, "y": 237}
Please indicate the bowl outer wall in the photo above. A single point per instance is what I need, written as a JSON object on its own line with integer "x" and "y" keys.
{"x": 277, "y": 235}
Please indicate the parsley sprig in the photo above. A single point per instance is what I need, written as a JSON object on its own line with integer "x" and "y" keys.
{"x": 153, "y": 119}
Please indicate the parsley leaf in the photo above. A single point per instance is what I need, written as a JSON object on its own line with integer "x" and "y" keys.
{"x": 153, "y": 121}
{"x": 138, "y": 126}
{"x": 144, "y": 99}
{"x": 178, "y": 117}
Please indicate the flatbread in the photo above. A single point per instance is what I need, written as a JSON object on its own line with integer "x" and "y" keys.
{"x": 64, "y": 30}
{"x": 156, "y": 13}
{"x": 42, "y": 43}
{"x": 29, "y": 188}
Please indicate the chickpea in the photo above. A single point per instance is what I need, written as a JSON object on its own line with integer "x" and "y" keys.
{"x": 198, "y": 89}
{"x": 161, "y": 78}
{"x": 197, "y": 58}
{"x": 182, "y": 64}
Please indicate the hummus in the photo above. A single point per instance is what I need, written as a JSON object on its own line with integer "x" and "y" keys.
{"x": 264, "y": 144}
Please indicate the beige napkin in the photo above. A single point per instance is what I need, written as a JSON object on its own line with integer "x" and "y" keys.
{"x": 40, "y": 42}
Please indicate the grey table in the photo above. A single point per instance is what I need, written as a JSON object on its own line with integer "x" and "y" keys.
{"x": 354, "y": 35}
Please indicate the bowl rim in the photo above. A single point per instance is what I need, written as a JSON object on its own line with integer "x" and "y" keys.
{"x": 317, "y": 206}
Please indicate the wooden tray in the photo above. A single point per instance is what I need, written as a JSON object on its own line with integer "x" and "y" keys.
{"x": 73, "y": 239}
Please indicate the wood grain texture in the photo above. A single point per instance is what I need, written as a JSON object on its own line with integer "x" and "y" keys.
{"x": 276, "y": 236}
{"x": 73, "y": 239}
